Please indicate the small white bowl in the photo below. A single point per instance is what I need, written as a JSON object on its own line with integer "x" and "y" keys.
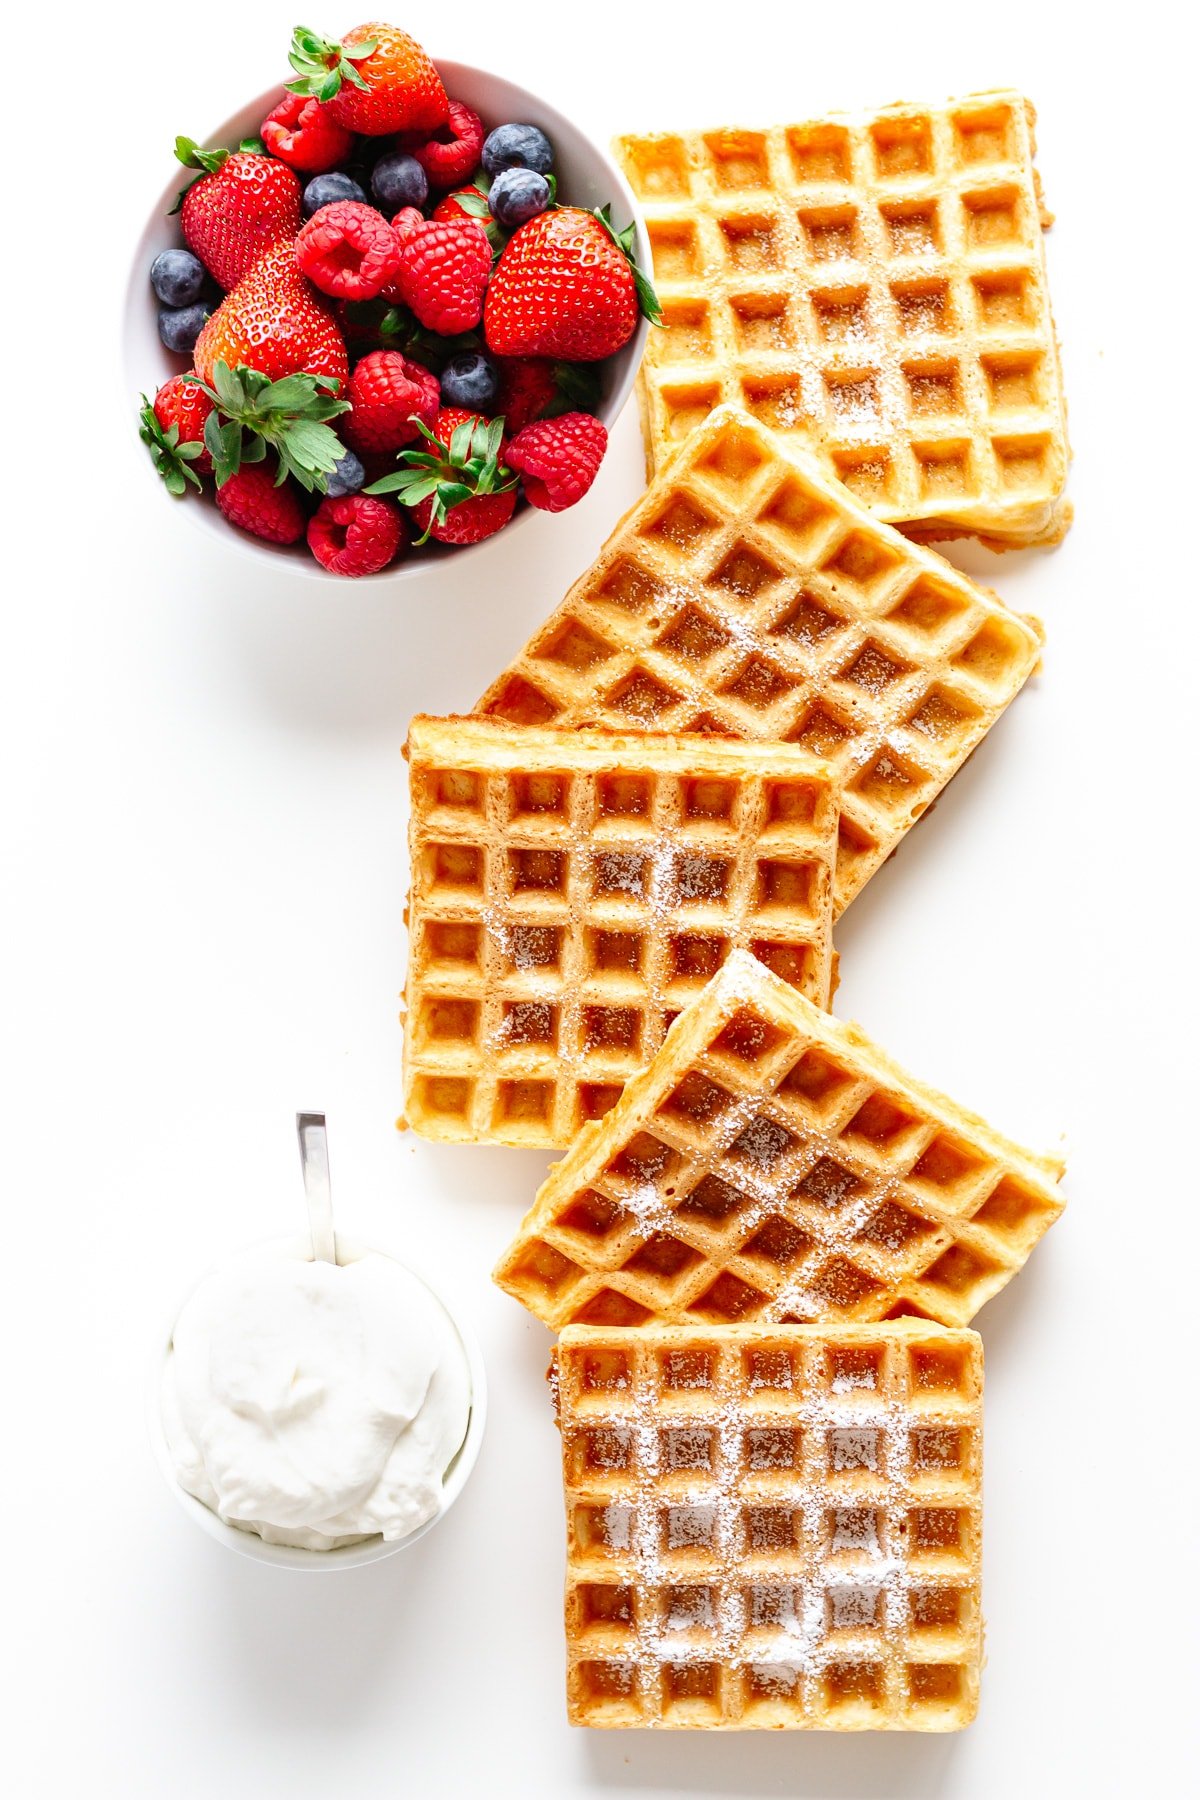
{"x": 587, "y": 177}
{"x": 350, "y": 1556}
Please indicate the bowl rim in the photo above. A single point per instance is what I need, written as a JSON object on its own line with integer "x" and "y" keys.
{"x": 286, "y": 556}
{"x": 290, "y": 1556}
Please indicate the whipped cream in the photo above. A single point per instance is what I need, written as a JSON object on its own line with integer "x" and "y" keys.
{"x": 314, "y": 1403}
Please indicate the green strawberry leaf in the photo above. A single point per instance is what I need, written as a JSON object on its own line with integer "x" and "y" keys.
{"x": 192, "y": 156}
{"x": 578, "y": 389}
{"x": 473, "y": 201}
{"x": 254, "y": 146}
{"x": 323, "y": 66}
{"x": 169, "y": 456}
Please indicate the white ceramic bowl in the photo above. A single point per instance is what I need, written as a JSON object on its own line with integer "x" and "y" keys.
{"x": 350, "y": 1556}
{"x": 586, "y": 177}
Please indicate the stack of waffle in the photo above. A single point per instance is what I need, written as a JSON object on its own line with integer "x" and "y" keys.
{"x": 765, "y": 1243}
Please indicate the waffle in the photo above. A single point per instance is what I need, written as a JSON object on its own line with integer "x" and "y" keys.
{"x": 772, "y": 1165}
{"x": 748, "y": 593}
{"x": 772, "y": 1525}
{"x": 874, "y": 287}
{"x": 572, "y": 891}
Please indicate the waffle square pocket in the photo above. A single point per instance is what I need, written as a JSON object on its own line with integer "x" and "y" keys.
{"x": 873, "y": 287}
{"x": 572, "y": 891}
{"x": 772, "y": 1526}
{"x": 748, "y": 593}
{"x": 772, "y": 1165}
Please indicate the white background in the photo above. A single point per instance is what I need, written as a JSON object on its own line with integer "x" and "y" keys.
{"x": 206, "y": 832}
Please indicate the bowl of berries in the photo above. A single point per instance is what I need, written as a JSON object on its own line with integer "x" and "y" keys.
{"x": 393, "y": 312}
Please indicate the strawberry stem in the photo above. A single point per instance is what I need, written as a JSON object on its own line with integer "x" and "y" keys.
{"x": 323, "y": 65}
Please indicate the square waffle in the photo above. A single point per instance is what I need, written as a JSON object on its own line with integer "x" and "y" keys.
{"x": 748, "y": 593}
{"x": 572, "y": 891}
{"x": 772, "y": 1165}
{"x": 772, "y": 1525}
{"x": 873, "y": 286}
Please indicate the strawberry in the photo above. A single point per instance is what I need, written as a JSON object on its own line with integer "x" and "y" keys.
{"x": 377, "y": 80}
{"x": 356, "y": 535}
{"x": 387, "y": 394}
{"x": 452, "y": 155}
{"x": 531, "y": 387}
{"x": 470, "y": 203}
{"x": 566, "y": 286}
{"x": 275, "y": 322}
{"x": 348, "y": 250}
{"x": 241, "y": 205}
{"x": 458, "y": 488}
{"x": 301, "y": 133}
{"x": 172, "y": 428}
{"x": 252, "y": 500}
{"x": 468, "y": 521}
{"x": 557, "y": 459}
{"x": 444, "y": 269}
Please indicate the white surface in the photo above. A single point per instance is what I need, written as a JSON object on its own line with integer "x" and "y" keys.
{"x": 204, "y": 935}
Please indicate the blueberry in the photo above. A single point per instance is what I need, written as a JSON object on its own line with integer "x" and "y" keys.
{"x": 346, "y": 478}
{"x": 469, "y": 380}
{"x": 323, "y": 190}
{"x": 517, "y": 147}
{"x": 180, "y": 326}
{"x": 517, "y": 195}
{"x": 398, "y": 180}
{"x": 177, "y": 277}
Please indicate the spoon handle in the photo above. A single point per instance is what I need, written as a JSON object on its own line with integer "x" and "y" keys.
{"x": 314, "y": 1162}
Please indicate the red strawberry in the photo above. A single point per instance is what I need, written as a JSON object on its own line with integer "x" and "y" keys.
{"x": 241, "y": 206}
{"x": 469, "y": 521}
{"x": 273, "y": 321}
{"x": 251, "y": 500}
{"x": 527, "y": 389}
{"x": 180, "y": 402}
{"x": 348, "y": 250}
{"x": 557, "y": 459}
{"x": 565, "y": 286}
{"x": 301, "y": 133}
{"x": 453, "y": 154}
{"x": 385, "y": 392}
{"x": 377, "y": 80}
{"x": 356, "y": 535}
{"x": 458, "y": 489}
{"x": 444, "y": 269}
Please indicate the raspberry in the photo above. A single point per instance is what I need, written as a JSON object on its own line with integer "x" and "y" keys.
{"x": 349, "y": 250}
{"x": 355, "y": 535}
{"x": 557, "y": 459}
{"x": 251, "y": 500}
{"x": 468, "y": 521}
{"x": 385, "y": 391}
{"x": 453, "y": 155}
{"x": 444, "y": 269}
{"x": 300, "y": 133}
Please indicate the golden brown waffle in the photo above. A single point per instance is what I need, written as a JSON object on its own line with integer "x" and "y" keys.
{"x": 572, "y": 891}
{"x": 771, "y": 1164}
{"x": 772, "y": 1525}
{"x": 875, "y": 287}
{"x": 748, "y": 593}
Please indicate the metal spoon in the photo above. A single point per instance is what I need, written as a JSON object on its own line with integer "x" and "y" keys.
{"x": 314, "y": 1161}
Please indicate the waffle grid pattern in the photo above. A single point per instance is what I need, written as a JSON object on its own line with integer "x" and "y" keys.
{"x": 772, "y": 1165}
{"x": 876, "y": 287}
{"x": 772, "y": 1527}
{"x": 748, "y": 594}
{"x": 573, "y": 891}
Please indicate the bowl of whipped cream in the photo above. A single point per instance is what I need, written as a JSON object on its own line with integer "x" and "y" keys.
{"x": 316, "y": 1415}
